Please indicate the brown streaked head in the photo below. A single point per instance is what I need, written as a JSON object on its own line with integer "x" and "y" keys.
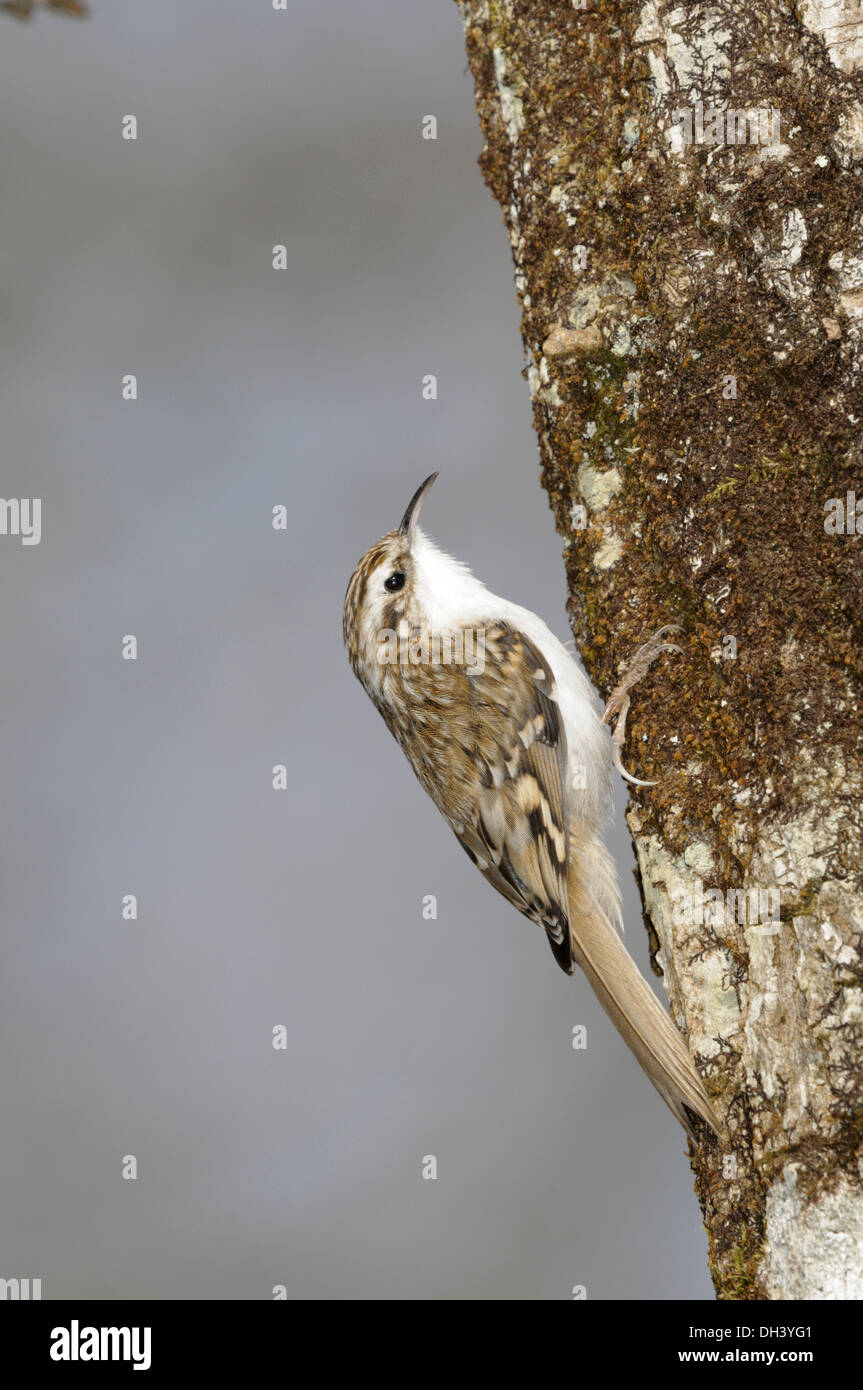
{"x": 379, "y": 591}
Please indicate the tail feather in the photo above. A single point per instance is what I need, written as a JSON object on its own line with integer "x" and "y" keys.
{"x": 626, "y": 996}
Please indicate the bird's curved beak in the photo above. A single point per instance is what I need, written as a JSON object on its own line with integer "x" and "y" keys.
{"x": 411, "y": 517}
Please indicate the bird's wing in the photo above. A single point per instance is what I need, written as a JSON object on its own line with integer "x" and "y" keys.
{"x": 516, "y": 830}
{"x": 499, "y": 750}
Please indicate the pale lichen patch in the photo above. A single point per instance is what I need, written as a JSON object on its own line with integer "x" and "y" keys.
{"x": 511, "y": 106}
{"x": 609, "y": 551}
{"x": 840, "y": 24}
{"x": 597, "y": 488}
{"x": 813, "y": 1246}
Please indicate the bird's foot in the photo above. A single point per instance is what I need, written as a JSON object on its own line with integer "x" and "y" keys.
{"x": 618, "y": 703}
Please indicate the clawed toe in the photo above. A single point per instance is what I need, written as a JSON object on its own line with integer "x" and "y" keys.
{"x": 619, "y": 700}
{"x": 627, "y": 776}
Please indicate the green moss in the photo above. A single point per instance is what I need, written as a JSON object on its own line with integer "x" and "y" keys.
{"x": 736, "y": 1278}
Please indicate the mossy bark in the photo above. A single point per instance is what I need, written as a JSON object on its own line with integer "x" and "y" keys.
{"x": 692, "y": 316}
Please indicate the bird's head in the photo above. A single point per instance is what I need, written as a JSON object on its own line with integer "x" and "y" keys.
{"x": 383, "y": 593}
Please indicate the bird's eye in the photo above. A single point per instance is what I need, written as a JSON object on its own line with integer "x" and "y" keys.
{"x": 395, "y": 582}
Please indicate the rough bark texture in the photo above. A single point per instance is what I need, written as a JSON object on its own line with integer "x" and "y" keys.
{"x": 681, "y": 501}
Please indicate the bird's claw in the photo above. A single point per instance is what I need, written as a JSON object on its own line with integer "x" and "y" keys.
{"x": 627, "y": 776}
{"x": 619, "y": 701}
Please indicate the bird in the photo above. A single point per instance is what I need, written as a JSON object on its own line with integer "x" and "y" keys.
{"x": 502, "y": 728}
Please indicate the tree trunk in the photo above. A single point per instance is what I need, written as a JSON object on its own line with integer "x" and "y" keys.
{"x": 682, "y": 190}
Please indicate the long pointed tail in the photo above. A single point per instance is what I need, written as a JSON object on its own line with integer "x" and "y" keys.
{"x": 621, "y": 989}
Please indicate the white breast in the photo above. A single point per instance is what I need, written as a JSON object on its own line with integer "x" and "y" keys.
{"x": 452, "y": 598}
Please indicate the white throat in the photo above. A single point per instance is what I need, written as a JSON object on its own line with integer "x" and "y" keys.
{"x": 449, "y": 595}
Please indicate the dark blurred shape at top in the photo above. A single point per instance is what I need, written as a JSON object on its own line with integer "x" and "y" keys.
{"x": 23, "y": 9}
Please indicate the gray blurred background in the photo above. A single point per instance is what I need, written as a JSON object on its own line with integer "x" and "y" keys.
{"x": 406, "y": 1037}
